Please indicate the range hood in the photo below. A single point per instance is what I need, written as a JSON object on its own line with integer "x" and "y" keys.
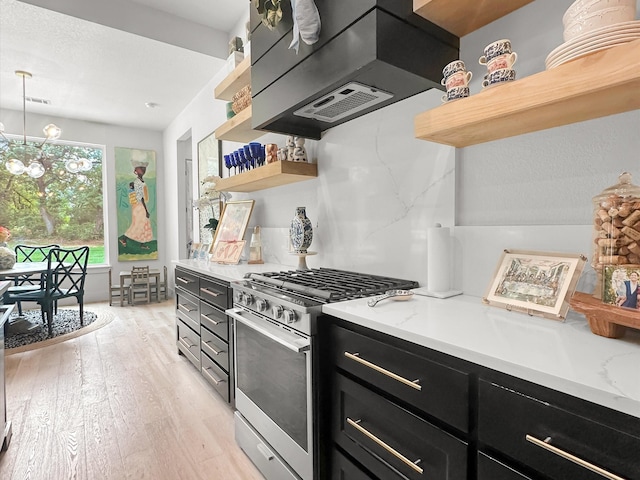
{"x": 371, "y": 53}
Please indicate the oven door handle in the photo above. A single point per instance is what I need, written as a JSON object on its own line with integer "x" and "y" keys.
{"x": 286, "y": 339}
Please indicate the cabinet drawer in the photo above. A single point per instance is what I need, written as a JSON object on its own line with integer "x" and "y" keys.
{"x": 344, "y": 469}
{"x": 189, "y": 343}
{"x": 214, "y": 320}
{"x": 436, "y": 389}
{"x": 217, "y": 377}
{"x": 216, "y": 348}
{"x": 213, "y": 292}
{"x": 187, "y": 310}
{"x": 491, "y": 469}
{"x": 512, "y": 422}
{"x": 390, "y": 441}
{"x": 187, "y": 280}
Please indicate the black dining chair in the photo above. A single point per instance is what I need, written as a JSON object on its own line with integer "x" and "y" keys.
{"x": 65, "y": 277}
{"x": 30, "y": 283}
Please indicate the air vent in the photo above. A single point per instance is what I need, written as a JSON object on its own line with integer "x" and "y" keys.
{"x": 38, "y": 100}
{"x": 342, "y": 102}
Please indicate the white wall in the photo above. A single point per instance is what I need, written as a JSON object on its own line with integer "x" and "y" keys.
{"x": 379, "y": 188}
{"x": 110, "y": 136}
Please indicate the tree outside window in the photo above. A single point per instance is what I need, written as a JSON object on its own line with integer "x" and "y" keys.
{"x": 59, "y": 207}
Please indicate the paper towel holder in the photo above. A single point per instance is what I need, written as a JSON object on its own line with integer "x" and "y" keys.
{"x": 444, "y": 293}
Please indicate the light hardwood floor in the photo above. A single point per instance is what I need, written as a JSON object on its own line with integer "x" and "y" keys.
{"x": 118, "y": 403}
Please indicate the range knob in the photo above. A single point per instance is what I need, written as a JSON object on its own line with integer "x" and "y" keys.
{"x": 238, "y": 297}
{"x": 276, "y": 310}
{"x": 262, "y": 305}
{"x": 289, "y": 316}
{"x": 247, "y": 299}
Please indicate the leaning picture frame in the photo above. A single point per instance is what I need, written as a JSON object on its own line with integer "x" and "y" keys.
{"x": 233, "y": 222}
{"x": 536, "y": 283}
{"x": 621, "y": 286}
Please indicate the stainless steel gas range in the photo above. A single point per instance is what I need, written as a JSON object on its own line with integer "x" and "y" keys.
{"x": 276, "y": 316}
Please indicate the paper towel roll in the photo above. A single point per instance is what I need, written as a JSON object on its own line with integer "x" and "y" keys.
{"x": 438, "y": 259}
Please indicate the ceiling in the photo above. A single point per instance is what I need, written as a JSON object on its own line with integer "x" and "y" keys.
{"x": 102, "y": 61}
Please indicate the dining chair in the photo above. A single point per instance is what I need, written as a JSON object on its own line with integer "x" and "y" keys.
{"x": 115, "y": 290}
{"x": 33, "y": 282}
{"x": 140, "y": 283}
{"x": 65, "y": 277}
{"x": 160, "y": 286}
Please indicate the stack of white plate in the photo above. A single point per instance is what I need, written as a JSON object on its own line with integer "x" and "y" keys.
{"x": 593, "y": 41}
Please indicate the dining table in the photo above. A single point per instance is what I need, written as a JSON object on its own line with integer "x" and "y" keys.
{"x": 126, "y": 275}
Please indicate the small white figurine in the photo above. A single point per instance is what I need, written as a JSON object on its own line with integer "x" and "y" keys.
{"x": 299, "y": 152}
{"x": 291, "y": 146}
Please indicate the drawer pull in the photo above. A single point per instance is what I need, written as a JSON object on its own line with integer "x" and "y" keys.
{"x": 180, "y": 279}
{"x": 187, "y": 344}
{"x": 356, "y": 356}
{"x": 266, "y": 453}
{"x": 210, "y": 292}
{"x": 186, "y": 309}
{"x": 546, "y": 444}
{"x": 388, "y": 448}
{"x": 213, "y": 378}
{"x": 215, "y": 322}
{"x": 215, "y": 352}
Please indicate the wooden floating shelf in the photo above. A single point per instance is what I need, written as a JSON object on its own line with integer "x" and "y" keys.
{"x": 597, "y": 85}
{"x": 605, "y": 320}
{"x": 240, "y": 77}
{"x": 269, "y": 175}
{"x": 464, "y": 16}
{"x": 238, "y": 128}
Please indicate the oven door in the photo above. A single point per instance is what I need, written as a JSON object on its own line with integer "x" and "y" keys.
{"x": 274, "y": 386}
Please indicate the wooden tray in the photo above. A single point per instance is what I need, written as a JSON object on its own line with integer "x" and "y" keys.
{"x": 605, "y": 320}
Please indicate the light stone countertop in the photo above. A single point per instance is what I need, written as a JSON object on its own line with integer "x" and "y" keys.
{"x": 230, "y": 273}
{"x": 564, "y": 356}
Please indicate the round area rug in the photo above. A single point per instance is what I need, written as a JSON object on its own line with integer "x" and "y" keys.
{"x": 66, "y": 324}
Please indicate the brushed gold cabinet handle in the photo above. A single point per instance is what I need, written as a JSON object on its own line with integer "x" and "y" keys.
{"x": 356, "y": 356}
{"x": 546, "y": 444}
{"x": 387, "y": 447}
{"x": 210, "y": 292}
{"x": 186, "y": 309}
{"x": 180, "y": 279}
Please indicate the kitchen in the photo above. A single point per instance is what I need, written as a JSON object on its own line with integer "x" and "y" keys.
{"x": 379, "y": 188}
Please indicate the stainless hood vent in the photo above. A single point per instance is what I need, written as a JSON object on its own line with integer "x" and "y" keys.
{"x": 344, "y": 101}
{"x": 378, "y": 48}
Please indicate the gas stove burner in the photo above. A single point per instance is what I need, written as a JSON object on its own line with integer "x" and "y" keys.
{"x": 330, "y": 285}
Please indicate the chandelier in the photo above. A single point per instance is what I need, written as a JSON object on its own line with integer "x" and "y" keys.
{"x": 28, "y": 157}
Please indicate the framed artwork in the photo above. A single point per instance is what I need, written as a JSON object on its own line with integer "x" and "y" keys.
{"x": 136, "y": 204}
{"x": 195, "y": 251}
{"x": 537, "y": 283}
{"x": 228, "y": 252}
{"x": 621, "y": 287}
{"x": 233, "y": 222}
{"x": 203, "y": 252}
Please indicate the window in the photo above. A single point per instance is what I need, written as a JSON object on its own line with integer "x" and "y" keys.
{"x": 59, "y": 207}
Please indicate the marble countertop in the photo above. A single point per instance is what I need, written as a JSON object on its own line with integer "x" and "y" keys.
{"x": 229, "y": 273}
{"x": 564, "y": 356}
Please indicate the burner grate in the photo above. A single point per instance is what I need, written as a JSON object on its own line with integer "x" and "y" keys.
{"x": 331, "y": 285}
